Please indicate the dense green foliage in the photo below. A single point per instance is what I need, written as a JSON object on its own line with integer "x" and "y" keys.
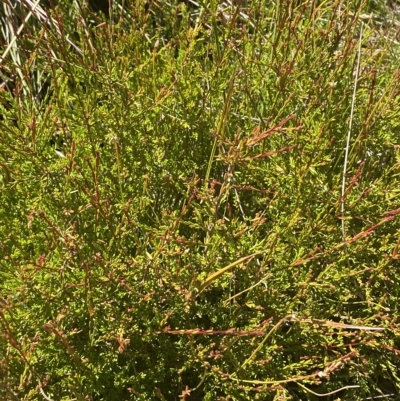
{"x": 174, "y": 223}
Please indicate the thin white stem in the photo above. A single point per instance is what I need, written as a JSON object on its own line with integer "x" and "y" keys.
{"x": 45, "y": 396}
{"x": 327, "y": 394}
{"x": 346, "y": 155}
{"x": 381, "y": 396}
{"x": 43, "y": 393}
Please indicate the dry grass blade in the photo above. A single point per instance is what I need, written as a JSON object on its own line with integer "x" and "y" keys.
{"x": 213, "y": 276}
{"x": 328, "y": 323}
{"x": 15, "y": 37}
{"x": 43, "y": 16}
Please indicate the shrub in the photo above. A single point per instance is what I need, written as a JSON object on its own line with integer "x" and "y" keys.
{"x": 199, "y": 201}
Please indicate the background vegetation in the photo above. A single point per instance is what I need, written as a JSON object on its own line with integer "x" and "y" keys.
{"x": 199, "y": 201}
